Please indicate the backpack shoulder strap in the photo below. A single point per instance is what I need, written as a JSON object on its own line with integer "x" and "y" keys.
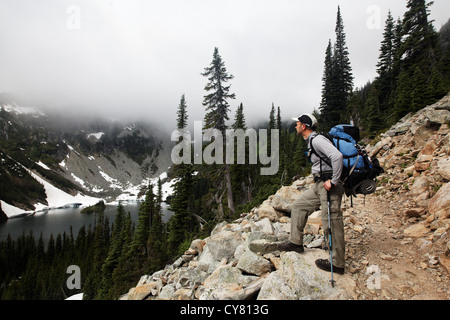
{"x": 315, "y": 152}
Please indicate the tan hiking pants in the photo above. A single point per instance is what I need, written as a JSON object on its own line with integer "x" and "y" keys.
{"x": 311, "y": 200}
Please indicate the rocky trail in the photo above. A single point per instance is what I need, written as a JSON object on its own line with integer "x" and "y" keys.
{"x": 384, "y": 263}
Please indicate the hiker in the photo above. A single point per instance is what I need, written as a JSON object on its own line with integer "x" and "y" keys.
{"x": 327, "y": 180}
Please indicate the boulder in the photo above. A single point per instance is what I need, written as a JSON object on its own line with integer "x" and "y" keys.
{"x": 262, "y": 246}
{"x": 267, "y": 211}
{"x": 439, "y": 205}
{"x": 419, "y": 189}
{"x": 223, "y": 244}
{"x": 423, "y": 162}
{"x": 264, "y": 226}
{"x": 284, "y": 197}
{"x": 297, "y": 278}
{"x": 253, "y": 263}
{"x": 439, "y": 113}
{"x": 219, "y": 249}
{"x": 416, "y": 230}
{"x": 443, "y": 168}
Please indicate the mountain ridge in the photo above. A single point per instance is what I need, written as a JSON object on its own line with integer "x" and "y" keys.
{"x": 96, "y": 157}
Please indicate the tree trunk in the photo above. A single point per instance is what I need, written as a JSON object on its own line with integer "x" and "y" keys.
{"x": 229, "y": 190}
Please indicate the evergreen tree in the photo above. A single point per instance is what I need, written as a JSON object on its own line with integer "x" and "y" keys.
{"x": 156, "y": 242}
{"x": 241, "y": 173}
{"x": 278, "y": 123}
{"x": 239, "y": 119}
{"x": 99, "y": 254}
{"x": 123, "y": 278}
{"x": 337, "y": 79}
{"x": 217, "y": 107}
{"x": 272, "y": 123}
{"x": 327, "y": 112}
{"x": 181, "y": 204}
{"x": 373, "y": 113}
{"x": 440, "y": 77}
{"x": 115, "y": 250}
{"x": 417, "y": 59}
{"x": 387, "y": 51}
{"x": 342, "y": 63}
{"x": 182, "y": 113}
{"x": 386, "y": 66}
{"x": 216, "y": 101}
{"x": 418, "y": 36}
{"x": 138, "y": 247}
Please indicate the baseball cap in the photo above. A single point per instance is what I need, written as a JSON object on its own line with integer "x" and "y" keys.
{"x": 308, "y": 119}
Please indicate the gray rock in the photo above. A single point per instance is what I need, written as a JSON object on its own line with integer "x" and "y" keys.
{"x": 262, "y": 246}
{"x": 252, "y": 263}
{"x": 297, "y": 278}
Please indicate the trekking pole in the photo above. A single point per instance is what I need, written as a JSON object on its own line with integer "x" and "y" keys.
{"x": 329, "y": 239}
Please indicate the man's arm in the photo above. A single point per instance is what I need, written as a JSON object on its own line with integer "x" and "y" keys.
{"x": 327, "y": 148}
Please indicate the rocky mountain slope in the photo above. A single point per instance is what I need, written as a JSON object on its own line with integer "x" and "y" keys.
{"x": 398, "y": 242}
{"x": 76, "y": 154}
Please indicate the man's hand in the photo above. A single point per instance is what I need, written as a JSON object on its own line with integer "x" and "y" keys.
{"x": 327, "y": 185}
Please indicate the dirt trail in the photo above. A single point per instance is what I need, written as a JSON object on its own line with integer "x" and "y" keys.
{"x": 385, "y": 264}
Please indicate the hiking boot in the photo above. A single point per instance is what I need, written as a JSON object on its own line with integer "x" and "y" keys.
{"x": 325, "y": 264}
{"x": 289, "y": 246}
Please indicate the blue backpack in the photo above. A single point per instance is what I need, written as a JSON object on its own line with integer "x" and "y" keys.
{"x": 360, "y": 171}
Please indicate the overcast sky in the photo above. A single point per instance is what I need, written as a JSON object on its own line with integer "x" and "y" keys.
{"x": 136, "y": 57}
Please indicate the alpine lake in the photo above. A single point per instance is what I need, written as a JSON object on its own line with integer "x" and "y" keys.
{"x": 62, "y": 220}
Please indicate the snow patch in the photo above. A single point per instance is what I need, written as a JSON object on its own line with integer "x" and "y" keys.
{"x": 78, "y": 296}
{"x": 97, "y": 135}
{"x": 43, "y": 165}
{"x": 13, "y": 107}
{"x": 56, "y": 198}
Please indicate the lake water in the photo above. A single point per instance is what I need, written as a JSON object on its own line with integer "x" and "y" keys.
{"x": 59, "y": 220}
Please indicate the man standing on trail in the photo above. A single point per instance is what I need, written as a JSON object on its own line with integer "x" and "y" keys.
{"x": 327, "y": 165}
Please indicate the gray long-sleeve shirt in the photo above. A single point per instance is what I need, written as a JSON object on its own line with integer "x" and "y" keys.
{"x": 325, "y": 148}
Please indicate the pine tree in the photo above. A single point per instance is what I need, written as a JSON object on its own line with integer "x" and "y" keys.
{"x": 337, "y": 79}
{"x": 241, "y": 179}
{"x": 182, "y": 113}
{"x": 216, "y": 101}
{"x": 115, "y": 250}
{"x": 443, "y": 45}
{"x": 272, "y": 123}
{"x": 385, "y": 65}
{"x": 156, "y": 242}
{"x": 327, "y": 89}
{"x": 181, "y": 223}
{"x": 387, "y": 51}
{"x": 417, "y": 59}
{"x": 342, "y": 61}
{"x": 278, "y": 121}
{"x": 122, "y": 276}
{"x": 373, "y": 113}
{"x": 145, "y": 216}
{"x": 100, "y": 249}
{"x": 418, "y": 36}
{"x": 181, "y": 203}
{"x": 217, "y": 108}
{"x": 239, "y": 119}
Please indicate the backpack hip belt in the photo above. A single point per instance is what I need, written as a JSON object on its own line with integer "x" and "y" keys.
{"x": 323, "y": 176}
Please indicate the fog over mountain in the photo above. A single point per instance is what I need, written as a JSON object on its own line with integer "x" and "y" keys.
{"x": 136, "y": 58}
